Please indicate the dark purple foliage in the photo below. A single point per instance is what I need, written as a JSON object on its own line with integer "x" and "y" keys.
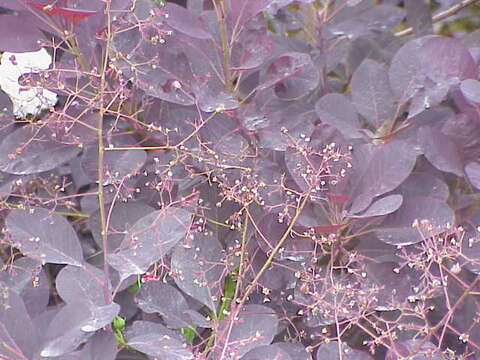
{"x": 242, "y": 180}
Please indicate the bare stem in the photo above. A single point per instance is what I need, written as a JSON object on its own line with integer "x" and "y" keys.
{"x": 100, "y": 164}
{"x": 220, "y": 10}
{"x": 441, "y": 16}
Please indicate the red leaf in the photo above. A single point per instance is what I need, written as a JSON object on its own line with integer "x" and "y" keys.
{"x": 327, "y": 229}
{"x": 74, "y": 15}
{"x": 338, "y": 199}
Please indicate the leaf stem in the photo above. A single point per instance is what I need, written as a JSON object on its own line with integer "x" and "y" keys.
{"x": 74, "y": 215}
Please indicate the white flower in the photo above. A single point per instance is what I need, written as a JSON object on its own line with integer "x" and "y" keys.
{"x": 35, "y": 99}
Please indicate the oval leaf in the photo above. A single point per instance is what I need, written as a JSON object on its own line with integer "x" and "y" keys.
{"x": 383, "y": 206}
{"x": 84, "y": 282}
{"x": 292, "y": 75}
{"x": 29, "y": 151}
{"x": 201, "y": 273}
{"x": 157, "y": 297}
{"x": 267, "y": 352}
{"x": 45, "y": 237}
{"x": 473, "y": 173}
{"x": 471, "y": 90}
{"x": 149, "y": 239}
{"x": 255, "y": 326}
{"x": 17, "y": 333}
{"x": 182, "y": 20}
{"x": 156, "y": 340}
{"x": 440, "y": 150}
{"x": 335, "y": 350}
{"x": 371, "y": 93}
{"x": 397, "y": 227}
{"x": 336, "y": 110}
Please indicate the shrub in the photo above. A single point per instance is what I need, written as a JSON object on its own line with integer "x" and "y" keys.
{"x": 240, "y": 180}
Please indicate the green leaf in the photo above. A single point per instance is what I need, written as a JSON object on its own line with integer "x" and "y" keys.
{"x": 189, "y": 334}
{"x": 228, "y": 293}
{"x": 118, "y": 323}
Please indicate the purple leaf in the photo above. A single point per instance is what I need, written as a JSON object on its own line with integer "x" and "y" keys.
{"x": 16, "y": 37}
{"x": 6, "y": 106}
{"x": 383, "y": 206}
{"x": 6, "y": 184}
{"x": 292, "y": 75}
{"x": 267, "y": 352}
{"x": 157, "y": 297}
{"x": 222, "y": 134}
{"x": 392, "y": 292}
{"x": 472, "y": 170}
{"x": 428, "y": 96}
{"x": 464, "y": 131}
{"x": 440, "y": 150}
{"x": 335, "y": 350}
{"x": 31, "y": 150}
{"x": 199, "y": 262}
{"x": 74, "y": 324}
{"x": 46, "y": 237}
{"x": 278, "y": 276}
{"x": 373, "y": 19}
{"x": 165, "y": 114}
{"x": 182, "y": 20}
{"x": 471, "y": 243}
{"x": 307, "y": 168}
{"x": 101, "y": 346}
{"x": 297, "y": 117}
{"x": 381, "y": 168}
{"x": 17, "y": 333}
{"x": 244, "y": 11}
{"x": 446, "y": 60}
{"x": 255, "y": 326}
{"x": 379, "y": 47}
{"x": 427, "y": 67}
{"x": 406, "y": 74}
{"x": 251, "y": 50}
{"x": 425, "y": 184}
{"x": 211, "y": 99}
{"x": 295, "y": 248}
{"x": 336, "y": 110}
{"x": 84, "y": 282}
{"x": 64, "y": 333}
{"x": 122, "y": 218}
{"x": 471, "y": 90}
{"x": 118, "y": 165}
{"x": 419, "y": 16}
{"x": 414, "y": 349}
{"x": 371, "y": 93}
{"x": 296, "y": 350}
{"x": 397, "y": 228}
{"x": 176, "y": 68}
{"x": 13, "y": 5}
{"x": 318, "y": 299}
{"x": 29, "y": 280}
{"x": 99, "y": 316}
{"x": 149, "y": 239}
{"x": 157, "y": 341}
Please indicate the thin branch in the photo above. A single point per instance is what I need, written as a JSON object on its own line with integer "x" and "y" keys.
{"x": 442, "y": 15}
{"x": 275, "y": 250}
{"x": 101, "y": 153}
